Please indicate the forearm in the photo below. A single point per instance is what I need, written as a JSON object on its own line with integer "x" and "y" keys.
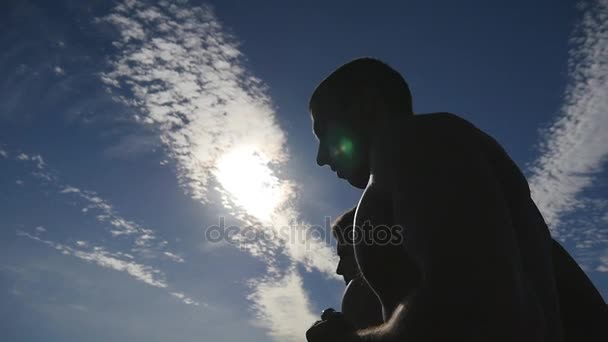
{"x": 387, "y": 332}
{"x": 426, "y": 319}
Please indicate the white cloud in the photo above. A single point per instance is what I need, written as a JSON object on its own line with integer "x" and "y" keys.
{"x": 58, "y": 70}
{"x": 3, "y": 153}
{"x": 145, "y": 244}
{"x": 19, "y": 182}
{"x": 588, "y": 234}
{"x": 575, "y": 146}
{"x": 70, "y": 189}
{"x": 173, "y": 257}
{"x": 132, "y": 145}
{"x": 41, "y": 171}
{"x": 40, "y": 164}
{"x": 105, "y": 212}
{"x": 101, "y": 257}
{"x": 282, "y": 307}
{"x": 117, "y": 261}
{"x": 185, "y": 299}
{"x": 603, "y": 266}
{"x": 187, "y": 79}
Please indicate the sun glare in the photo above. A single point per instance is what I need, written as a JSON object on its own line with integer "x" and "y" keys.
{"x": 251, "y": 184}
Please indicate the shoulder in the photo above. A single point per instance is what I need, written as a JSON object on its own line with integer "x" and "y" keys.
{"x": 424, "y": 132}
{"x": 440, "y": 126}
{"x": 419, "y": 142}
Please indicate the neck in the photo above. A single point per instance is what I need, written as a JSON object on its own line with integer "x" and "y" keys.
{"x": 378, "y": 134}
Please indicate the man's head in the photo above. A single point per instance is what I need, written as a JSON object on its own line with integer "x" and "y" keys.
{"x": 342, "y": 232}
{"x": 345, "y": 107}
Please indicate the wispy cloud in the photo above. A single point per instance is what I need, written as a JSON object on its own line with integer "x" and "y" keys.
{"x": 39, "y": 169}
{"x": 117, "y": 261}
{"x": 187, "y": 78}
{"x": 103, "y": 258}
{"x": 283, "y": 306}
{"x": 603, "y": 267}
{"x": 132, "y": 145}
{"x": 105, "y": 212}
{"x": 58, "y": 70}
{"x": 145, "y": 243}
{"x": 185, "y": 299}
{"x": 23, "y": 156}
{"x": 173, "y": 257}
{"x": 575, "y": 146}
{"x": 587, "y": 233}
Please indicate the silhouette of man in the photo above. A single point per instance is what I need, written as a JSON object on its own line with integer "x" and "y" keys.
{"x": 360, "y": 306}
{"x": 482, "y": 248}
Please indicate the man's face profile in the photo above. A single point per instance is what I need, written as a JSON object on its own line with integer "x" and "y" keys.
{"x": 342, "y": 149}
{"x": 347, "y": 266}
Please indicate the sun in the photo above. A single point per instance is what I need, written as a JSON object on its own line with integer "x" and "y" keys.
{"x": 246, "y": 177}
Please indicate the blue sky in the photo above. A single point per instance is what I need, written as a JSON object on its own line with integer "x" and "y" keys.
{"x": 129, "y": 128}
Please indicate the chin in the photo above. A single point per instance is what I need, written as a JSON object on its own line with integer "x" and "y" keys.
{"x": 357, "y": 178}
{"x": 359, "y": 182}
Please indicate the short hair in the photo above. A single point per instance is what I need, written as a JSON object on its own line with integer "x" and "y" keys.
{"x": 363, "y": 79}
{"x": 344, "y": 221}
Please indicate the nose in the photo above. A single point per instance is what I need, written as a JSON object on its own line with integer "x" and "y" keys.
{"x": 339, "y": 270}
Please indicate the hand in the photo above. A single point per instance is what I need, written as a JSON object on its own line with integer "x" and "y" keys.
{"x": 332, "y": 327}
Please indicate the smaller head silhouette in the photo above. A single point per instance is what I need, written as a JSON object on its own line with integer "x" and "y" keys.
{"x": 347, "y": 266}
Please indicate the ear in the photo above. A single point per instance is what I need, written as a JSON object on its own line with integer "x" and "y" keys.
{"x": 370, "y": 106}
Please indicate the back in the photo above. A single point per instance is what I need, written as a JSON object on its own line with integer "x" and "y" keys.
{"x": 551, "y": 270}
{"x": 584, "y": 312}
{"x": 531, "y": 233}
{"x": 533, "y": 236}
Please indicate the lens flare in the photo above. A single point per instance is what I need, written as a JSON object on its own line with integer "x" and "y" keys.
{"x": 343, "y": 149}
{"x": 346, "y": 147}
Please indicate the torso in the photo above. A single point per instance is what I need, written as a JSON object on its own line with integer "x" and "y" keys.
{"x": 378, "y": 263}
{"x": 360, "y": 305}
{"x": 531, "y": 233}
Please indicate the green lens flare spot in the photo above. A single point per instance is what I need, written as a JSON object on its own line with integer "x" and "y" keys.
{"x": 346, "y": 147}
